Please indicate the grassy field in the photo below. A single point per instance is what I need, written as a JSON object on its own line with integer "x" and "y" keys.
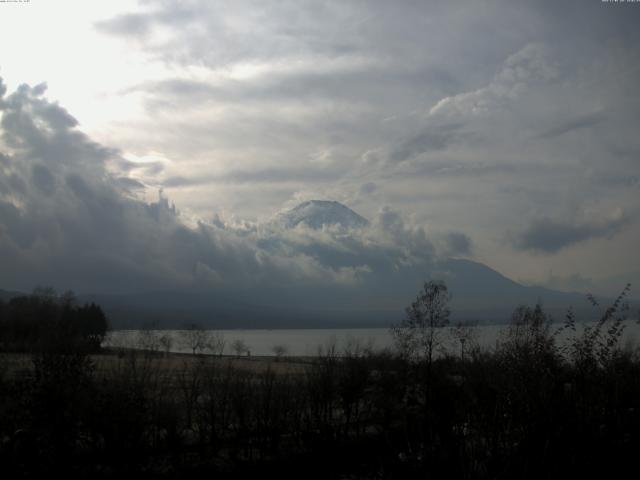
{"x": 21, "y": 364}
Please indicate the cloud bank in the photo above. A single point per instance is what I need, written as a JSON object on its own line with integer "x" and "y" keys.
{"x": 68, "y": 221}
{"x": 548, "y": 236}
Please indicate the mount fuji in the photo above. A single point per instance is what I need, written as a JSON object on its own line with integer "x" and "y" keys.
{"x": 318, "y": 213}
{"x": 378, "y": 298}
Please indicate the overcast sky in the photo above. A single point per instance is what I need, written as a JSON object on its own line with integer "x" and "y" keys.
{"x": 502, "y": 131}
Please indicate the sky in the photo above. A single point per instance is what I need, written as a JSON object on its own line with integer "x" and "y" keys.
{"x": 155, "y": 141}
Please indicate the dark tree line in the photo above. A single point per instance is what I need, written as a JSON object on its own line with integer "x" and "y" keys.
{"x": 45, "y": 321}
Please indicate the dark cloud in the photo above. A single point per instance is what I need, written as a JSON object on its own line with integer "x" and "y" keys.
{"x": 44, "y": 131}
{"x": 127, "y": 24}
{"x": 166, "y": 13}
{"x": 274, "y": 175}
{"x": 16, "y": 226}
{"x": 432, "y": 139}
{"x": 413, "y": 240}
{"x": 458, "y": 244}
{"x": 129, "y": 184}
{"x": 583, "y": 121}
{"x": 549, "y": 236}
{"x": 43, "y": 179}
{"x": 355, "y": 84}
{"x": 368, "y": 188}
{"x": 16, "y": 184}
{"x": 216, "y": 41}
{"x": 61, "y": 235}
{"x": 452, "y": 169}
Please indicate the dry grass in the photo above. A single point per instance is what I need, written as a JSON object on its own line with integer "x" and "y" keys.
{"x": 19, "y": 364}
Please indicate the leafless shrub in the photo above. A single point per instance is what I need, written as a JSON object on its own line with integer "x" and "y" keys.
{"x": 279, "y": 351}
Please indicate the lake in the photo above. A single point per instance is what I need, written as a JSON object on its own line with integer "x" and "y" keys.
{"x": 307, "y": 342}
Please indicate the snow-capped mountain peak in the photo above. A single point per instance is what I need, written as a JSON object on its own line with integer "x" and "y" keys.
{"x": 316, "y": 213}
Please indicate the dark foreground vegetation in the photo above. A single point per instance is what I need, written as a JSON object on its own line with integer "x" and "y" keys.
{"x": 533, "y": 407}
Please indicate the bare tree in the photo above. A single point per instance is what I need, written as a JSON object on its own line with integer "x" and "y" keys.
{"x": 216, "y": 343}
{"x": 166, "y": 341}
{"x": 419, "y": 334}
{"x": 200, "y": 340}
{"x": 279, "y": 351}
{"x": 239, "y": 346}
{"x": 148, "y": 340}
{"x": 195, "y": 338}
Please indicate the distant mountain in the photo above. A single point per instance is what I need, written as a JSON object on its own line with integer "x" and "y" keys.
{"x": 481, "y": 293}
{"x": 478, "y": 292}
{"x": 316, "y": 213}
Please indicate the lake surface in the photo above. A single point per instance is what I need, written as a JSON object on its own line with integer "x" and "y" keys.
{"x": 307, "y": 342}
